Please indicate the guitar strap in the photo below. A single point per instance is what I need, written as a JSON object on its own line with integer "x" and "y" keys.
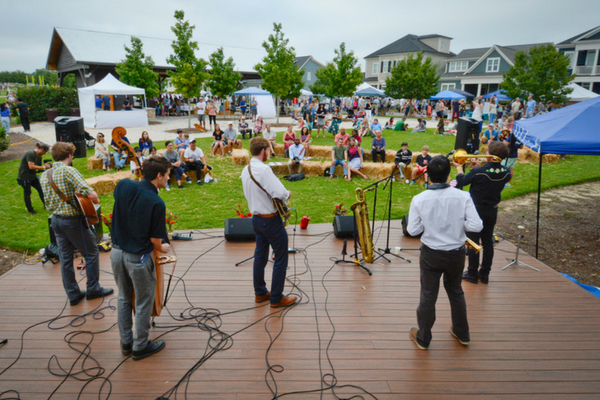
{"x": 57, "y": 190}
{"x": 258, "y": 184}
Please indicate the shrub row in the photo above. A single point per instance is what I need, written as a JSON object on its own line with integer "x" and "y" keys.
{"x": 40, "y": 98}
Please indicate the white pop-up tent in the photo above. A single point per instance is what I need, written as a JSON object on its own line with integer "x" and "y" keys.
{"x": 579, "y": 93}
{"x": 265, "y": 104}
{"x": 93, "y": 118}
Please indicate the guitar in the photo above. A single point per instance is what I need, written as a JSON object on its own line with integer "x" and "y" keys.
{"x": 87, "y": 209}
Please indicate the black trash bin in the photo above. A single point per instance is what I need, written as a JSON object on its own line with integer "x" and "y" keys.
{"x": 70, "y": 130}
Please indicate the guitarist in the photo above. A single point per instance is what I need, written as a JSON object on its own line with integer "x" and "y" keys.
{"x": 139, "y": 216}
{"x": 268, "y": 226}
{"x": 68, "y": 224}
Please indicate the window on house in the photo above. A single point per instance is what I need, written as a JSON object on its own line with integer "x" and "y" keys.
{"x": 493, "y": 65}
{"x": 448, "y": 86}
{"x": 375, "y": 68}
{"x": 442, "y": 45}
{"x": 308, "y": 76}
{"x": 570, "y": 55}
{"x": 591, "y": 57}
{"x": 386, "y": 67}
{"x": 458, "y": 66}
{"x": 395, "y": 63}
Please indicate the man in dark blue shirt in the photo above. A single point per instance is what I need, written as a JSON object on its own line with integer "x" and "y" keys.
{"x": 138, "y": 229}
{"x": 486, "y": 183}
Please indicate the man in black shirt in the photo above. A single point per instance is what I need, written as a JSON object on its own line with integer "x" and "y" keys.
{"x": 486, "y": 183}
{"x": 138, "y": 229}
{"x": 31, "y": 163}
{"x": 24, "y": 114}
{"x": 403, "y": 159}
{"x": 421, "y": 167}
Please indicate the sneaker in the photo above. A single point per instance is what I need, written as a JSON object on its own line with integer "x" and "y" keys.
{"x": 393, "y": 179}
{"x": 507, "y": 185}
{"x": 412, "y": 182}
{"x": 463, "y": 342}
{"x": 407, "y": 182}
{"x": 199, "y": 181}
{"x": 168, "y": 187}
{"x": 188, "y": 179}
{"x": 180, "y": 186}
{"x": 152, "y": 347}
{"x": 413, "y": 336}
{"x": 469, "y": 278}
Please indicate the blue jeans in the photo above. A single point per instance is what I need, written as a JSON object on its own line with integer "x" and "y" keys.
{"x": 492, "y": 119}
{"x": 270, "y": 231}
{"x": 72, "y": 233}
{"x": 338, "y": 162}
{"x": 133, "y": 276}
{"x": 119, "y": 160}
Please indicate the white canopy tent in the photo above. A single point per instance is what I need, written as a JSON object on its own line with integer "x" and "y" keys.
{"x": 265, "y": 103}
{"x": 93, "y": 118}
{"x": 579, "y": 93}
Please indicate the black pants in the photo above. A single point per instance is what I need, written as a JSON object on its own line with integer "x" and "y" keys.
{"x": 27, "y": 185}
{"x": 488, "y": 215}
{"x": 375, "y": 153}
{"x": 244, "y": 131}
{"x": 433, "y": 264}
{"x": 197, "y": 166}
{"x": 25, "y": 122}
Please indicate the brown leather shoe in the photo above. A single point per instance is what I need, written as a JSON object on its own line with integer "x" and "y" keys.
{"x": 286, "y": 301}
{"x": 263, "y": 298}
{"x": 413, "y": 336}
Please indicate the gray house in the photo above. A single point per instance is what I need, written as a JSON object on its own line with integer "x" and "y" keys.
{"x": 309, "y": 66}
{"x": 480, "y": 71}
{"x": 584, "y": 52}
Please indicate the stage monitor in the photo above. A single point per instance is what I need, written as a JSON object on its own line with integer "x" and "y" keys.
{"x": 467, "y": 136}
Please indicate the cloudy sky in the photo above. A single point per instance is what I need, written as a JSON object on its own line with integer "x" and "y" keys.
{"x": 314, "y": 27}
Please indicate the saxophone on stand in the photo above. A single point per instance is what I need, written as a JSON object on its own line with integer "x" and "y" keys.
{"x": 365, "y": 238}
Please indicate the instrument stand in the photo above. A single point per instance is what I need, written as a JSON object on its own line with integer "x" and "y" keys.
{"x": 387, "y": 241}
{"x": 516, "y": 261}
{"x": 355, "y": 262}
{"x": 376, "y": 187}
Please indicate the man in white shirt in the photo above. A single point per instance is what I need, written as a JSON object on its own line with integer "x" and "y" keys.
{"x": 443, "y": 215}
{"x": 271, "y": 137}
{"x": 195, "y": 161}
{"x": 268, "y": 226}
{"x": 201, "y": 110}
{"x": 296, "y": 155}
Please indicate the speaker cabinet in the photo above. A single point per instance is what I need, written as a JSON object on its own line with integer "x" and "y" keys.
{"x": 343, "y": 227}
{"x": 239, "y": 230}
{"x": 70, "y": 130}
{"x": 467, "y": 137}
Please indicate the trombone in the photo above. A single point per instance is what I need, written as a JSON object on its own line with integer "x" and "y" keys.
{"x": 461, "y": 157}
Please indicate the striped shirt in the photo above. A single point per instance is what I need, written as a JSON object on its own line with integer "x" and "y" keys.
{"x": 68, "y": 180}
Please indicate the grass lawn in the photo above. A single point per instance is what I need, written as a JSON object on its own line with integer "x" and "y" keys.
{"x": 2, "y": 96}
{"x": 209, "y": 205}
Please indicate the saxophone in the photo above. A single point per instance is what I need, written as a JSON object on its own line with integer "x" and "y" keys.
{"x": 362, "y": 222}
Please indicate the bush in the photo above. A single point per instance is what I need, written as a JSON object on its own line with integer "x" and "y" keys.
{"x": 4, "y": 141}
{"x": 40, "y": 98}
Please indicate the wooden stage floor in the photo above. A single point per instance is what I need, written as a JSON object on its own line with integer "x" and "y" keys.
{"x": 534, "y": 335}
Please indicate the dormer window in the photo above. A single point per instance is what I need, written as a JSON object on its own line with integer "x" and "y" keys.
{"x": 493, "y": 65}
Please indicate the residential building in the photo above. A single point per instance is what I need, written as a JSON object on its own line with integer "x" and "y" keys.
{"x": 380, "y": 63}
{"x": 480, "y": 71}
{"x": 584, "y": 52}
{"x": 309, "y": 66}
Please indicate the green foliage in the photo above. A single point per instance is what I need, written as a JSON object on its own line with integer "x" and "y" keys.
{"x": 138, "y": 69}
{"x": 190, "y": 71}
{"x": 223, "y": 79}
{"x": 70, "y": 81}
{"x": 543, "y": 72}
{"x": 13, "y": 77}
{"x": 4, "y": 140}
{"x": 40, "y": 98}
{"x": 278, "y": 70}
{"x": 49, "y": 77}
{"x": 412, "y": 78}
{"x": 339, "y": 78}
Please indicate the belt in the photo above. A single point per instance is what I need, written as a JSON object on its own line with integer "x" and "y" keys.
{"x": 66, "y": 216}
{"x": 266, "y": 215}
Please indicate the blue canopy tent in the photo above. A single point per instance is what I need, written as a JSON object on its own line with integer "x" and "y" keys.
{"x": 569, "y": 130}
{"x": 447, "y": 95}
{"x": 500, "y": 95}
{"x": 370, "y": 92}
{"x": 468, "y": 95}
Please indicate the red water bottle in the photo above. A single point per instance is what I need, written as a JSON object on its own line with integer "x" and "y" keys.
{"x": 304, "y": 222}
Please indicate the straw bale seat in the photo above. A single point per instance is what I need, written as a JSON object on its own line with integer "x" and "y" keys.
{"x": 325, "y": 152}
{"x": 218, "y": 152}
{"x": 94, "y": 162}
{"x": 105, "y": 184}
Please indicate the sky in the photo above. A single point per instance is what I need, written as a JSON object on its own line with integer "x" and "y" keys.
{"x": 313, "y": 27}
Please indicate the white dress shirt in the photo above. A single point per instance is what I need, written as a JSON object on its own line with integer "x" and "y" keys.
{"x": 258, "y": 201}
{"x": 443, "y": 215}
{"x": 296, "y": 151}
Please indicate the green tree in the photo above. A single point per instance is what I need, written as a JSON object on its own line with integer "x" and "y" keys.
{"x": 278, "y": 69}
{"x": 543, "y": 72}
{"x": 325, "y": 81}
{"x": 223, "y": 79}
{"x": 70, "y": 81}
{"x": 50, "y": 77}
{"x": 137, "y": 69}
{"x": 190, "y": 71}
{"x": 412, "y": 78}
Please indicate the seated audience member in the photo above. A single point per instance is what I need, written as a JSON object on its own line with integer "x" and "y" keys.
{"x": 177, "y": 169}
{"x": 305, "y": 138}
{"x": 403, "y": 159}
{"x": 271, "y": 136}
{"x": 401, "y": 125}
{"x": 357, "y": 137}
{"x": 102, "y": 151}
{"x": 181, "y": 142}
{"x": 441, "y": 126}
{"x": 259, "y": 126}
{"x": 363, "y": 129}
{"x": 390, "y": 124}
{"x": 378, "y": 147}
{"x": 145, "y": 143}
{"x": 297, "y": 152}
{"x": 135, "y": 166}
{"x": 354, "y": 160}
{"x": 375, "y": 126}
{"x": 153, "y": 151}
{"x": 288, "y": 139}
{"x": 489, "y": 135}
{"x": 219, "y": 141}
{"x": 343, "y": 135}
{"x": 421, "y": 126}
{"x": 243, "y": 129}
{"x": 119, "y": 156}
{"x": 338, "y": 157}
{"x": 421, "y": 167}
{"x": 195, "y": 161}
{"x": 231, "y": 137}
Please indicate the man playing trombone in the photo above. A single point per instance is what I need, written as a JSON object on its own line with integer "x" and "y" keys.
{"x": 486, "y": 182}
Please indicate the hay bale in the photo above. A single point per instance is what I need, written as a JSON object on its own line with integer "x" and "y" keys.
{"x": 240, "y": 157}
{"x": 94, "y": 163}
{"x": 377, "y": 170}
{"x": 105, "y": 184}
{"x": 236, "y": 146}
{"x": 315, "y": 168}
{"x": 528, "y": 155}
